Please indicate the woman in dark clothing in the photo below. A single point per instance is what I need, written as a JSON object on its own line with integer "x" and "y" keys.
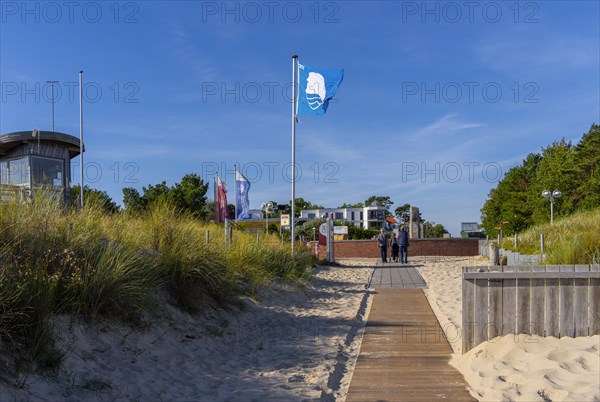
{"x": 394, "y": 246}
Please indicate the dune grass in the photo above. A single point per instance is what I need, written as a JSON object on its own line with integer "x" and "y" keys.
{"x": 89, "y": 264}
{"x": 574, "y": 239}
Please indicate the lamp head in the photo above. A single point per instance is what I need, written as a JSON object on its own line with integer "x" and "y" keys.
{"x": 546, "y": 193}
{"x": 557, "y": 193}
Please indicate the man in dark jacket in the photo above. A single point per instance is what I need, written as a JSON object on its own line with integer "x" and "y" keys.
{"x": 403, "y": 243}
{"x": 382, "y": 243}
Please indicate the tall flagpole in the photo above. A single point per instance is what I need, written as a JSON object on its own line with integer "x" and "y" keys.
{"x": 295, "y": 99}
{"x": 235, "y": 190}
{"x": 81, "y": 137}
{"x": 216, "y": 197}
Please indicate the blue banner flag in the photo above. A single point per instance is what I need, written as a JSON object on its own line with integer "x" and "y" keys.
{"x": 316, "y": 86}
{"x": 242, "y": 186}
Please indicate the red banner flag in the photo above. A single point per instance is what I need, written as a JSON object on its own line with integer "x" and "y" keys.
{"x": 222, "y": 205}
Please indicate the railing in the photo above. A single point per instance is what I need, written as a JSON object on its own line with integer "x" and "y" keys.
{"x": 550, "y": 300}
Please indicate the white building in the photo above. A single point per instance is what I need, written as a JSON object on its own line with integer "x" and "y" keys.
{"x": 367, "y": 217}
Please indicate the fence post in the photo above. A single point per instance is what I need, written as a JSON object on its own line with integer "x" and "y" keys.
{"x": 542, "y": 245}
{"x": 257, "y": 237}
{"x": 494, "y": 253}
{"x": 207, "y": 237}
{"x": 516, "y": 241}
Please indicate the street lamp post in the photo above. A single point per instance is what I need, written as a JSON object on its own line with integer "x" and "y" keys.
{"x": 552, "y": 195}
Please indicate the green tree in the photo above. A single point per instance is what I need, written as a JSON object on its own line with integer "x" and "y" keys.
{"x": 132, "y": 200}
{"x": 403, "y": 213}
{"x": 587, "y": 161}
{"x": 187, "y": 196}
{"x": 381, "y": 201}
{"x": 508, "y": 201}
{"x": 301, "y": 204}
{"x": 434, "y": 230}
{"x": 159, "y": 192}
{"x": 91, "y": 196}
{"x": 555, "y": 171}
{"x": 357, "y": 205}
{"x": 190, "y": 195}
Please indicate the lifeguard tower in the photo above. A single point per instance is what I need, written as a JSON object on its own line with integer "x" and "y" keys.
{"x": 35, "y": 159}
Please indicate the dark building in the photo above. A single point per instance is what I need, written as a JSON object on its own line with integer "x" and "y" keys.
{"x": 31, "y": 160}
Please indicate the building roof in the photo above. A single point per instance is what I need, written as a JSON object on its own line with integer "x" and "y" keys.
{"x": 12, "y": 140}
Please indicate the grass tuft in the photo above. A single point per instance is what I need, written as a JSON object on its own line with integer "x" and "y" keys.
{"x": 87, "y": 263}
{"x": 574, "y": 239}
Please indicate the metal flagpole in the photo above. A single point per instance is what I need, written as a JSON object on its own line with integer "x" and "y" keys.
{"x": 235, "y": 191}
{"x": 81, "y": 137}
{"x": 294, "y": 95}
{"x": 216, "y": 201}
{"x": 52, "y": 82}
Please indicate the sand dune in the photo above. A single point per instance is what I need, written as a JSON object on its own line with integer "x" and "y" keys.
{"x": 513, "y": 368}
{"x": 291, "y": 344}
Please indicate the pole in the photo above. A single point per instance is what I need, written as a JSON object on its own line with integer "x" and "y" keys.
{"x": 81, "y": 137}
{"x": 551, "y": 210}
{"x": 294, "y": 100}
{"x": 216, "y": 201}
{"x": 235, "y": 190}
{"x": 52, "y": 83}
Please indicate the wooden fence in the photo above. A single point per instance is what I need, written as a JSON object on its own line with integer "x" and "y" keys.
{"x": 550, "y": 300}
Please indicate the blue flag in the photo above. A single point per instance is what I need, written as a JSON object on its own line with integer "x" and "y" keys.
{"x": 242, "y": 186}
{"x": 316, "y": 86}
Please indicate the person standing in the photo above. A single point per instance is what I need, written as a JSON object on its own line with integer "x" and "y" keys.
{"x": 382, "y": 243}
{"x": 394, "y": 246}
{"x": 403, "y": 244}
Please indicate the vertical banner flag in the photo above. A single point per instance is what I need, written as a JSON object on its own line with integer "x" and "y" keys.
{"x": 242, "y": 186}
{"x": 316, "y": 86}
{"x": 222, "y": 200}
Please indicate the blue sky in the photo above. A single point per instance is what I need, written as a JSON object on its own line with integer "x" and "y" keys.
{"x": 439, "y": 99}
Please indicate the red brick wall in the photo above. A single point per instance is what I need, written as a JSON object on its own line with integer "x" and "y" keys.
{"x": 418, "y": 247}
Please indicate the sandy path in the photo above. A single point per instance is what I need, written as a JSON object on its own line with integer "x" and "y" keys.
{"x": 291, "y": 344}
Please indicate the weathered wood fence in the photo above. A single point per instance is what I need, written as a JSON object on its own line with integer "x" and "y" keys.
{"x": 550, "y": 300}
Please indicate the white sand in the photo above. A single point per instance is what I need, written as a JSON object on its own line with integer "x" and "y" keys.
{"x": 510, "y": 368}
{"x": 293, "y": 344}
{"x": 296, "y": 344}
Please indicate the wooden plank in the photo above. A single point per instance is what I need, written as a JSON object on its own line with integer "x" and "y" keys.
{"x": 481, "y": 311}
{"x": 523, "y": 302}
{"x": 526, "y": 275}
{"x": 537, "y": 302}
{"x": 495, "y": 308}
{"x": 552, "y": 307}
{"x": 580, "y": 302}
{"x": 567, "y": 322}
{"x": 594, "y": 295}
{"x": 468, "y": 312}
{"x": 509, "y": 303}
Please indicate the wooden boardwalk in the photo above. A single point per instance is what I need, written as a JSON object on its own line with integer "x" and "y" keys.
{"x": 404, "y": 354}
{"x": 396, "y": 275}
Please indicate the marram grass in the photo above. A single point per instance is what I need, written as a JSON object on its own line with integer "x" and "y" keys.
{"x": 54, "y": 260}
{"x": 574, "y": 239}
